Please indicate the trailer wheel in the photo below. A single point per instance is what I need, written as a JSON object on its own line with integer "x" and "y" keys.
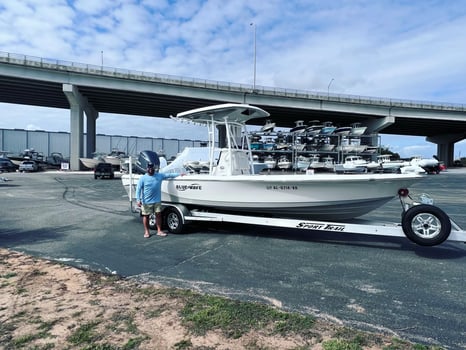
{"x": 174, "y": 220}
{"x": 152, "y": 222}
{"x": 426, "y": 225}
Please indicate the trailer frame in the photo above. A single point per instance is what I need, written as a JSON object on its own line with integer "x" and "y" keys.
{"x": 421, "y": 221}
{"x": 176, "y": 216}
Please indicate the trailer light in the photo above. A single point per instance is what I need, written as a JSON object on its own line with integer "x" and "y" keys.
{"x": 403, "y": 192}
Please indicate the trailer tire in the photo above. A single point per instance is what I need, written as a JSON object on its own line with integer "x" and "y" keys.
{"x": 152, "y": 222}
{"x": 426, "y": 225}
{"x": 174, "y": 220}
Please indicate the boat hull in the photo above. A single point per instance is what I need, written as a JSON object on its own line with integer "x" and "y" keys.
{"x": 90, "y": 163}
{"x": 325, "y": 197}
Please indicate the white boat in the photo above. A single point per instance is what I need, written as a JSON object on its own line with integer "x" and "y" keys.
{"x": 268, "y": 126}
{"x": 232, "y": 186}
{"x": 387, "y": 163}
{"x": 270, "y": 162}
{"x": 342, "y": 130}
{"x": 316, "y": 163}
{"x": 303, "y": 163}
{"x": 326, "y": 147}
{"x": 300, "y": 127}
{"x": 357, "y": 129}
{"x": 428, "y": 164}
{"x": 314, "y": 128}
{"x": 356, "y": 164}
{"x": 284, "y": 163}
{"x": 115, "y": 157}
{"x": 27, "y": 154}
{"x": 92, "y": 162}
{"x": 352, "y": 164}
{"x": 329, "y": 163}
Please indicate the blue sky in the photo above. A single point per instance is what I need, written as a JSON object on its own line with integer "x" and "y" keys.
{"x": 411, "y": 50}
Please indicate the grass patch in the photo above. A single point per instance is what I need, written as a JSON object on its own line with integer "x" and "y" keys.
{"x": 359, "y": 340}
{"x": 398, "y": 344}
{"x": 153, "y": 313}
{"x": 22, "y": 341}
{"x": 202, "y": 313}
{"x": 124, "y": 319}
{"x": 134, "y": 343}
{"x": 184, "y": 344}
{"x": 25, "y": 339}
{"x": 85, "y": 334}
{"x": 9, "y": 275}
{"x": 37, "y": 272}
{"x": 340, "y": 344}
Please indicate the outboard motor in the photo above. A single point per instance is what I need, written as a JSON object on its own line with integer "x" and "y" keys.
{"x": 144, "y": 158}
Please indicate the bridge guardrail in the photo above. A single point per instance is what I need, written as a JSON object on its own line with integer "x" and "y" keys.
{"x": 60, "y": 65}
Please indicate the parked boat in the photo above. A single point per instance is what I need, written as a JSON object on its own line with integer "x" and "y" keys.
{"x": 342, "y": 130}
{"x": 90, "y": 163}
{"x": 357, "y": 129}
{"x": 355, "y": 164}
{"x": 329, "y": 163}
{"x": 327, "y": 129}
{"x": 300, "y": 127}
{"x": 28, "y": 154}
{"x": 303, "y": 162}
{"x": 388, "y": 164}
{"x": 268, "y": 126}
{"x": 428, "y": 164}
{"x": 284, "y": 163}
{"x": 314, "y": 128}
{"x": 56, "y": 159}
{"x": 315, "y": 162}
{"x": 115, "y": 157}
{"x": 270, "y": 162}
{"x": 231, "y": 184}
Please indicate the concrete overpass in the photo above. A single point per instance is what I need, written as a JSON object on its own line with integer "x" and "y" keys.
{"x": 89, "y": 89}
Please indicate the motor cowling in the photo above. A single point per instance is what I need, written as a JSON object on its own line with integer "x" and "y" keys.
{"x": 144, "y": 158}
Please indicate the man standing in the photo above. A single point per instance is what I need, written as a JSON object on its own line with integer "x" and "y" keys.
{"x": 149, "y": 197}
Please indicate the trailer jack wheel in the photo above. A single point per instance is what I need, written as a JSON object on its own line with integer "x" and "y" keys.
{"x": 174, "y": 220}
{"x": 426, "y": 225}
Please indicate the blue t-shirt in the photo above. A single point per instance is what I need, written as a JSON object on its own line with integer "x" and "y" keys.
{"x": 149, "y": 188}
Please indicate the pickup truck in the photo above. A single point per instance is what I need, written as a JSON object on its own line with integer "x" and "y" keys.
{"x": 104, "y": 170}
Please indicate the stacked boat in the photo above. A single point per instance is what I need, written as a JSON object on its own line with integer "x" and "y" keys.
{"x": 301, "y": 147}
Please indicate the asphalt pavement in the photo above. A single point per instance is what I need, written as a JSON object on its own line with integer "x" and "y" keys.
{"x": 367, "y": 282}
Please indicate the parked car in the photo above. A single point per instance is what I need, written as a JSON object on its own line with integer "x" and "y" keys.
{"x": 103, "y": 170}
{"x": 28, "y": 165}
{"x": 7, "y": 165}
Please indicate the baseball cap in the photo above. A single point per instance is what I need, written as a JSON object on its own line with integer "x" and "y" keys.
{"x": 150, "y": 165}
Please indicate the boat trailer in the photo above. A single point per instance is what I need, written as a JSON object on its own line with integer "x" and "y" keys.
{"x": 421, "y": 222}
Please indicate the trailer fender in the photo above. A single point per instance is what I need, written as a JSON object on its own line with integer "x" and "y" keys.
{"x": 426, "y": 225}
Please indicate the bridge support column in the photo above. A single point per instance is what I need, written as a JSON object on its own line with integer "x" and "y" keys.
{"x": 78, "y": 105}
{"x": 446, "y": 146}
{"x": 445, "y": 152}
{"x": 91, "y": 119}
{"x": 76, "y": 136}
